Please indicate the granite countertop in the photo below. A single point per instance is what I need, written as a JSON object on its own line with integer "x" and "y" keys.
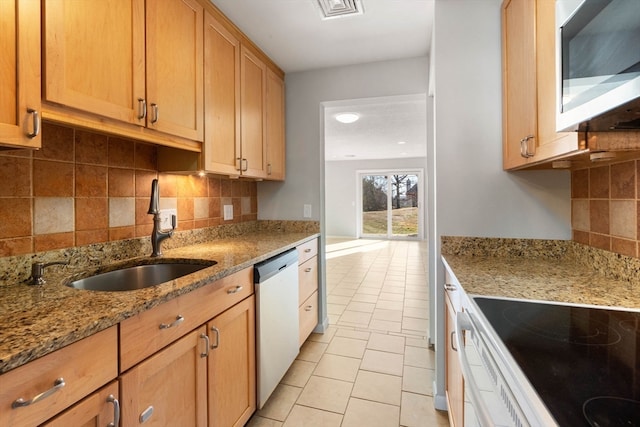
{"x": 35, "y": 321}
{"x": 563, "y": 279}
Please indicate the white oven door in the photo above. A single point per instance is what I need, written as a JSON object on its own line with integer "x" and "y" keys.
{"x": 488, "y": 400}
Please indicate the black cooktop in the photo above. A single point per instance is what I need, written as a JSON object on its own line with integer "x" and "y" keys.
{"x": 583, "y": 362}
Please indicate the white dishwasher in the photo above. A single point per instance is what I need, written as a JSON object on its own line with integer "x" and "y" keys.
{"x": 277, "y": 322}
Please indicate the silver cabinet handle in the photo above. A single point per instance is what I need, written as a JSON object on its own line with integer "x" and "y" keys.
{"x": 269, "y": 169}
{"x": 146, "y": 414}
{"x": 308, "y": 270}
{"x": 179, "y": 319}
{"x": 155, "y": 113}
{"x": 452, "y": 339}
{"x": 449, "y": 287}
{"x": 217, "y": 332}
{"x": 308, "y": 308}
{"x": 234, "y": 290}
{"x": 306, "y": 251}
{"x": 205, "y": 337}
{"x": 36, "y": 122}
{"x": 523, "y": 152}
{"x": 57, "y": 385}
{"x": 525, "y": 142}
{"x": 142, "y": 108}
{"x": 246, "y": 165}
{"x": 116, "y": 411}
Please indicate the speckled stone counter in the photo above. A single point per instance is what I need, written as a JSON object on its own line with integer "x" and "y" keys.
{"x": 559, "y": 271}
{"x": 35, "y": 321}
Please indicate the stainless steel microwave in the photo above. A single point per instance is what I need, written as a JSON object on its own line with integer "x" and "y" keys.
{"x": 598, "y": 65}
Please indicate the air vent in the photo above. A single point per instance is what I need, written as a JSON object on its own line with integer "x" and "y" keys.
{"x": 339, "y": 8}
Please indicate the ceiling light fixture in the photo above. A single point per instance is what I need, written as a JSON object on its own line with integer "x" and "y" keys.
{"x": 402, "y": 142}
{"x": 339, "y": 8}
{"x": 347, "y": 117}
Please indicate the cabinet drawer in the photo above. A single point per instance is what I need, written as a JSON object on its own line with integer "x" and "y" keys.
{"x": 307, "y": 250}
{"x": 98, "y": 409}
{"x": 308, "y": 315}
{"x": 307, "y": 279}
{"x": 84, "y": 366}
{"x": 149, "y": 331}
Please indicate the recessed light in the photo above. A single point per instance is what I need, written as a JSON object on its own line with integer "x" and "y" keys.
{"x": 349, "y": 155}
{"x": 402, "y": 142}
{"x": 347, "y": 117}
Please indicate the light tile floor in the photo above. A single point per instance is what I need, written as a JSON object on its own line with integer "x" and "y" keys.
{"x": 372, "y": 366}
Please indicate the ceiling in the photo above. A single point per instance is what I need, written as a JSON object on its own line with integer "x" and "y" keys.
{"x": 293, "y": 35}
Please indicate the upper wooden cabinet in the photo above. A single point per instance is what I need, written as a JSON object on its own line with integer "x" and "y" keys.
{"x": 243, "y": 113}
{"x": 253, "y": 107}
{"x": 222, "y": 98}
{"x": 20, "y": 74}
{"x": 275, "y": 126}
{"x": 175, "y": 67}
{"x": 120, "y": 60}
{"x": 528, "y": 61}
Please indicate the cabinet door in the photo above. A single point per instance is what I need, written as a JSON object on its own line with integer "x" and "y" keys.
{"x": 175, "y": 67}
{"x": 20, "y": 73}
{"x": 169, "y": 388}
{"x": 549, "y": 143}
{"x": 232, "y": 366}
{"x": 275, "y": 127}
{"x": 94, "y": 57}
{"x": 101, "y": 408}
{"x": 454, "y": 382}
{"x": 222, "y": 98}
{"x": 519, "y": 80}
{"x": 253, "y": 75}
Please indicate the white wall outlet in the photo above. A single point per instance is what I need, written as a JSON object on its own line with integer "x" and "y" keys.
{"x": 228, "y": 212}
{"x": 165, "y": 218}
{"x": 307, "y": 211}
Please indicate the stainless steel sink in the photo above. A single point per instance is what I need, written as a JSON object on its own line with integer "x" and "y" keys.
{"x": 137, "y": 276}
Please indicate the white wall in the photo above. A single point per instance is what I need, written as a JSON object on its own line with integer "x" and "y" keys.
{"x": 341, "y": 200}
{"x": 473, "y": 196}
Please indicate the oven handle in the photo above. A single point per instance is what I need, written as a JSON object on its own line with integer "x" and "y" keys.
{"x": 463, "y": 323}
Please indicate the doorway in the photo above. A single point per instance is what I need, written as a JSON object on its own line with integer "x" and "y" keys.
{"x": 390, "y": 204}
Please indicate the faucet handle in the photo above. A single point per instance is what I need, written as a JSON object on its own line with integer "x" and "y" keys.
{"x": 37, "y": 271}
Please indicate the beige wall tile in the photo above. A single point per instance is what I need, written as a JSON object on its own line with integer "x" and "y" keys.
{"x": 623, "y": 218}
{"x": 580, "y": 214}
{"x": 53, "y": 215}
{"x": 122, "y": 211}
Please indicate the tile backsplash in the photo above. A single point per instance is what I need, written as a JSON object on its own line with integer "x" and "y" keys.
{"x": 83, "y": 188}
{"x": 604, "y": 207}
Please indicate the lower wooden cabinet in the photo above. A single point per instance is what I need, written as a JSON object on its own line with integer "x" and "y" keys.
{"x": 43, "y": 388}
{"x": 169, "y": 388}
{"x": 101, "y": 408}
{"x": 454, "y": 384}
{"x": 308, "y": 288}
{"x": 232, "y": 365}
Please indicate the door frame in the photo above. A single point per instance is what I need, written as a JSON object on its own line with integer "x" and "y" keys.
{"x": 419, "y": 172}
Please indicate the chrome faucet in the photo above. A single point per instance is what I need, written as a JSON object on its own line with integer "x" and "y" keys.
{"x": 37, "y": 271}
{"x": 158, "y": 235}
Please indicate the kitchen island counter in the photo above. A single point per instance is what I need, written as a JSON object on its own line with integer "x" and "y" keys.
{"x": 37, "y": 320}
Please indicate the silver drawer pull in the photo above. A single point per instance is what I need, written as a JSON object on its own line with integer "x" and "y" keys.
{"x": 146, "y": 414}
{"x": 450, "y": 287}
{"x": 217, "y": 331}
{"x": 179, "y": 319}
{"x": 307, "y": 250}
{"x": 57, "y": 385}
{"x": 234, "y": 290}
{"x": 205, "y": 337}
{"x": 308, "y": 270}
{"x": 36, "y": 123}
{"x": 116, "y": 411}
{"x": 308, "y": 308}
